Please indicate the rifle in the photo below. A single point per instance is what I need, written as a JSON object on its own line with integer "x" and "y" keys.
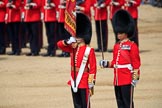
{"x": 10, "y": 2}
{"x": 48, "y": 1}
{"x": 129, "y": 3}
{"x": 29, "y": 1}
{"x": 78, "y": 2}
{"x": 28, "y": 4}
{"x": 99, "y": 2}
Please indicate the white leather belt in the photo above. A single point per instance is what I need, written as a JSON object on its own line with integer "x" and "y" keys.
{"x": 129, "y": 66}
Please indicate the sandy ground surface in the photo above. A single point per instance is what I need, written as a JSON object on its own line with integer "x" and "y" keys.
{"x": 37, "y": 82}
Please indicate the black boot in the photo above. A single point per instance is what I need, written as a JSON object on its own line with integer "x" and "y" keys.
{"x": 2, "y": 51}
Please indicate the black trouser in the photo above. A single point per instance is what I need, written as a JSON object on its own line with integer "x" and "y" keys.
{"x": 51, "y": 36}
{"x": 40, "y": 37}
{"x": 33, "y": 30}
{"x": 124, "y": 96}
{"x": 80, "y": 98}
{"x": 135, "y": 35}
{"x": 13, "y": 33}
{"x": 2, "y": 37}
{"x": 24, "y": 34}
{"x": 102, "y": 26}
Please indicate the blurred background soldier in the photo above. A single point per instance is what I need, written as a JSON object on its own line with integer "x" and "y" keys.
{"x": 100, "y": 16}
{"x": 23, "y": 30}
{"x": 132, "y": 7}
{"x": 13, "y": 20}
{"x": 62, "y": 32}
{"x": 115, "y": 5}
{"x": 32, "y": 19}
{"x": 2, "y": 26}
{"x": 49, "y": 11}
{"x": 83, "y": 6}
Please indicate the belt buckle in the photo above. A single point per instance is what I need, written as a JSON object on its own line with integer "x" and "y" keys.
{"x": 85, "y": 58}
{"x": 115, "y": 66}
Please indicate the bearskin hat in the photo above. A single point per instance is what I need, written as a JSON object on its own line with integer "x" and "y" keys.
{"x": 83, "y": 27}
{"x": 123, "y": 22}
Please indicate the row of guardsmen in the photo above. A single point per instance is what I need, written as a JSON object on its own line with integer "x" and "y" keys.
{"x": 21, "y": 22}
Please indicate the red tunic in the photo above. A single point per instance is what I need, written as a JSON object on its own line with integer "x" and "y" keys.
{"x": 33, "y": 14}
{"x": 125, "y": 53}
{"x": 14, "y": 14}
{"x": 101, "y": 13}
{"x": 114, "y": 8}
{"x": 22, "y": 7}
{"x": 3, "y": 10}
{"x": 50, "y": 14}
{"x": 87, "y": 5}
{"x": 79, "y": 52}
{"x": 61, "y": 11}
{"x": 133, "y": 9}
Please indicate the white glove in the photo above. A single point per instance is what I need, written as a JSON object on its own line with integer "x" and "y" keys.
{"x": 26, "y": 7}
{"x": 79, "y": 8}
{"x": 71, "y": 40}
{"x": 135, "y": 77}
{"x": 127, "y": 4}
{"x": 61, "y": 6}
{"x": 52, "y": 4}
{"x": 132, "y": 1}
{"x": 13, "y": 6}
{"x": 22, "y": 15}
{"x": 115, "y": 3}
{"x": 42, "y": 16}
{"x": 33, "y": 4}
{"x": 102, "y": 5}
{"x": 95, "y": 5}
{"x": 47, "y": 7}
{"x": 103, "y": 63}
{"x": 8, "y": 5}
{"x": 134, "y": 82}
{"x": 91, "y": 81}
{"x": 91, "y": 85}
{"x": 1, "y": 3}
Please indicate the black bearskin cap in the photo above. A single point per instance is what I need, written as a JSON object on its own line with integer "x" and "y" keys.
{"x": 123, "y": 22}
{"x": 83, "y": 27}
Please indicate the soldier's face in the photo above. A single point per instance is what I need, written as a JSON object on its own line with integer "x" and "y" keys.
{"x": 74, "y": 44}
{"x": 121, "y": 36}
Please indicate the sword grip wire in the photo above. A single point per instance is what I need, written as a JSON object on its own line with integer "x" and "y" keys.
{"x": 74, "y": 68}
{"x": 101, "y": 36}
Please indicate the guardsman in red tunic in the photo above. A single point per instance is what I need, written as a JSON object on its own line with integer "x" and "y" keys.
{"x": 115, "y": 5}
{"x": 13, "y": 20}
{"x": 23, "y": 30}
{"x": 2, "y": 26}
{"x": 49, "y": 8}
{"x": 100, "y": 16}
{"x": 126, "y": 60}
{"x": 132, "y": 7}
{"x": 32, "y": 19}
{"x": 83, "y": 62}
{"x": 62, "y": 32}
{"x": 83, "y": 6}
